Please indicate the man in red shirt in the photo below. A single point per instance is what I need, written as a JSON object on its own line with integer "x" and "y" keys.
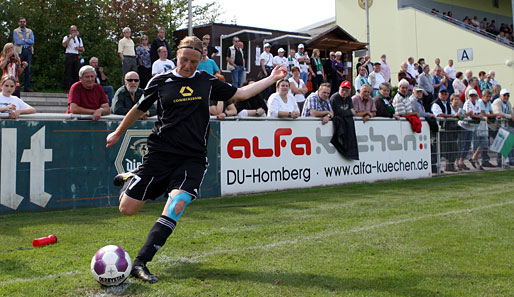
{"x": 86, "y": 96}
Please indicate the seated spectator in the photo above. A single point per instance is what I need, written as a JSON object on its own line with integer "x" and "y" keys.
{"x": 458, "y": 86}
{"x": 222, "y": 109}
{"x": 297, "y": 87}
{"x": 101, "y": 78}
{"x": 403, "y": 74}
{"x": 128, "y": 95}
{"x": 383, "y": 102}
{"x": 9, "y": 103}
{"x": 318, "y": 105}
{"x": 253, "y": 107}
{"x": 341, "y": 102}
{"x": 207, "y": 64}
{"x": 401, "y": 104}
{"x": 375, "y": 78}
{"x": 363, "y": 104}
{"x": 86, "y": 96}
{"x": 361, "y": 79}
{"x": 282, "y": 104}
{"x": 162, "y": 64}
{"x": 11, "y": 65}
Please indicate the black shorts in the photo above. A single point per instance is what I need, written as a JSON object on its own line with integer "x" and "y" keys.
{"x": 162, "y": 172}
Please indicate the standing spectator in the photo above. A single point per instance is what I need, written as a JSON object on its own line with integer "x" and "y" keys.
{"x": 442, "y": 108}
{"x": 468, "y": 76}
{"x": 236, "y": 62}
{"x": 384, "y": 102}
{"x": 450, "y": 71}
{"x": 266, "y": 61}
{"x": 421, "y": 64}
{"x": 361, "y": 79}
{"x": 157, "y": 43}
{"x": 458, "y": 86}
{"x": 363, "y": 62}
{"x": 318, "y": 105}
{"x": 317, "y": 69}
{"x": 292, "y": 62}
{"x": 128, "y": 95}
{"x": 12, "y": 104}
{"x": 338, "y": 68}
{"x": 87, "y": 97}
{"x": 440, "y": 81}
{"x": 416, "y": 101}
{"x": 496, "y": 92}
{"x": 473, "y": 85}
{"x": 297, "y": 88}
{"x": 487, "y": 111}
{"x": 483, "y": 84}
{"x": 74, "y": 47}
{"x": 145, "y": 62}
{"x": 375, "y": 78}
{"x": 280, "y": 60}
{"x": 329, "y": 74}
{"x": 411, "y": 69}
{"x": 385, "y": 70}
{"x": 127, "y": 52}
{"x": 101, "y": 78}
{"x": 341, "y": 102}
{"x": 494, "y": 82}
{"x": 463, "y": 136}
{"x": 282, "y": 104}
{"x": 472, "y": 109}
{"x": 11, "y": 65}
{"x": 23, "y": 39}
{"x": 426, "y": 82}
{"x": 404, "y": 74}
{"x": 253, "y": 107}
{"x": 163, "y": 64}
{"x": 245, "y": 58}
{"x": 206, "y": 64}
{"x": 303, "y": 59}
{"x": 363, "y": 104}
{"x": 211, "y": 50}
{"x": 401, "y": 103}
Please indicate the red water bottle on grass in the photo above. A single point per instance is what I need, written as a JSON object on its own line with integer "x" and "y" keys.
{"x": 50, "y": 239}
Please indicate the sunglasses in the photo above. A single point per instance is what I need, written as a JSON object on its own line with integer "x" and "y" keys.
{"x": 132, "y": 79}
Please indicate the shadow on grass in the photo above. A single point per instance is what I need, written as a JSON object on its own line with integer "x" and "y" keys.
{"x": 401, "y": 285}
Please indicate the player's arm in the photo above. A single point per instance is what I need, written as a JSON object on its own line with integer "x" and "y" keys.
{"x": 249, "y": 91}
{"x": 132, "y": 116}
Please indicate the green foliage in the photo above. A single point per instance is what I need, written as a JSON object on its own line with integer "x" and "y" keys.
{"x": 100, "y": 23}
{"x": 444, "y": 236}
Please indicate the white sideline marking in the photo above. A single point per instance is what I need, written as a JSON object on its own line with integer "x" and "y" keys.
{"x": 193, "y": 259}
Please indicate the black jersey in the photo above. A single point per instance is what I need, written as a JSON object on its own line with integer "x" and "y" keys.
{"x": 183, "y": 111}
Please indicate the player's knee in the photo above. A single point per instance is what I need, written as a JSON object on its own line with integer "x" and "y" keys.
{"x": 178, "y": 205}
{"x": 128, "y": 211}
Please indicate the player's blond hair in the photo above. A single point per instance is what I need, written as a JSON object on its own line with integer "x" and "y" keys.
{"x": 191, "y": 42}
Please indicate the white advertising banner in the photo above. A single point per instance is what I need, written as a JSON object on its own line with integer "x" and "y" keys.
{"x": 276, "y": 155}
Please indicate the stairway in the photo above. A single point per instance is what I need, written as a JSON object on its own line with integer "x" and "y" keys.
{"x": 46, "y": 102}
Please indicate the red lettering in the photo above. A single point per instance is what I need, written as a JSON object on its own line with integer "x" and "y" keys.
{"x": 297, "y": 143}
{"x": 233, "y": 148}
{"x": 279, "y": 132}
{"x": 258, "y": 152}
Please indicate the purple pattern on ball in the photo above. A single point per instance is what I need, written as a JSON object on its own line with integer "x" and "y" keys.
{"x": 121, "y": 264}
{"x": 99, "y": 266}
{"x": 120, "y": 252}
{"x": 99, "y": 254}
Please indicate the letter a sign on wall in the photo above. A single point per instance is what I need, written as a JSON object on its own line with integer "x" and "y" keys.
{"x": 464, "y": 55}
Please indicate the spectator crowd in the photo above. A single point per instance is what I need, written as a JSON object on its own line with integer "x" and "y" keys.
{"x": 314, "y": 88}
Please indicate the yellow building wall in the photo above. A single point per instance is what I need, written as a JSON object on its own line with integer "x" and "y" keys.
{"x": 504, "y": 6}
{"x": 407, "y": 32}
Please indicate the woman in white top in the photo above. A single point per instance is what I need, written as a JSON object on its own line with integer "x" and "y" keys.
{"x": 12, "y": 104}
{"x": 458, "y": 85}
{"x": 297, "y": 87}
{"x": 282, "y": 104}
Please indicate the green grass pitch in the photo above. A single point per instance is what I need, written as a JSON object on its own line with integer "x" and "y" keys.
{"x": 443, "y": 236}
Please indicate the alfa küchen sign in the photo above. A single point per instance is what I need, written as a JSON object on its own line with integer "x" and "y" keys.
{"x": 276, "y": 155}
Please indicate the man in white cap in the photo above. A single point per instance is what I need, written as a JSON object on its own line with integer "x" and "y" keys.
{"x": 303, "y": 58}
{"x": 266, "y": 60}
{"x": 280, "y": 60}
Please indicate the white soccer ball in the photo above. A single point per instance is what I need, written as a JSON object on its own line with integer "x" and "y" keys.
{"x": 111, "y": 265}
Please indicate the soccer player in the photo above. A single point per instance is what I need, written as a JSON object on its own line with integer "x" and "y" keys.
{"x": 176, "y": 159}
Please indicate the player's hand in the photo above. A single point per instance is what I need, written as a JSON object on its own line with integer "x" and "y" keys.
{"x": 111, "y": 139}
{"x": 278, "y": 72}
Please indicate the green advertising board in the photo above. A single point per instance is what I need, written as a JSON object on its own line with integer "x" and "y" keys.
{"x": 65, "y": 164}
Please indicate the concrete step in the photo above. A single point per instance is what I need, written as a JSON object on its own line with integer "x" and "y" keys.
{"x": 45, "y": 95}
{"x": 50, "y": 109}
{"x": 46, "y": 103}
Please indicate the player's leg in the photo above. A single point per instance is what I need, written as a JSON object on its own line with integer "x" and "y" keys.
{"x": 128, "y": 205}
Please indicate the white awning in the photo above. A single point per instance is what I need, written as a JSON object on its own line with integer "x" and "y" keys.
{"x": 289, "y": 39}
{"x": 247, "y": 34}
